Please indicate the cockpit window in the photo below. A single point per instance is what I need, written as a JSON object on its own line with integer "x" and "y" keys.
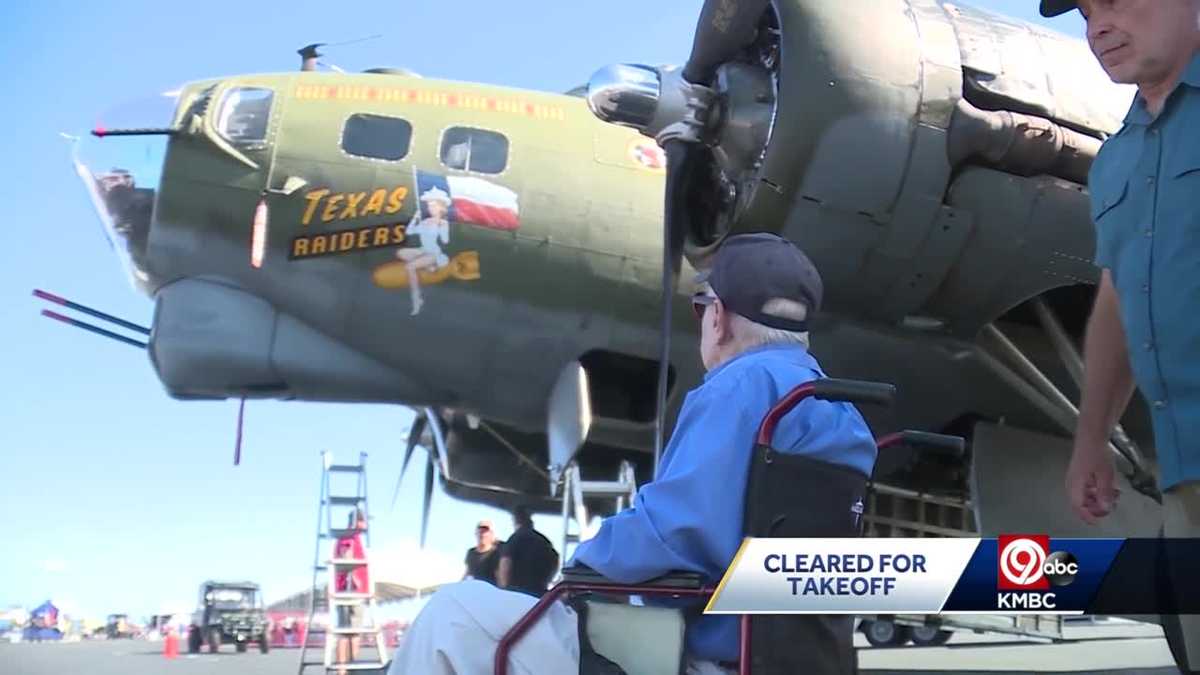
{"x": 244, "y": 114}
{"x": 376, "y": 137}
{"x": 474, "y": 150}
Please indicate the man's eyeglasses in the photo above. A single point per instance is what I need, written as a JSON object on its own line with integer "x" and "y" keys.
{"x": 700, "y": 302}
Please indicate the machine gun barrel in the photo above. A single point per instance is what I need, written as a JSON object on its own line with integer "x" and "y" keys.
{"x": 92, "y": 312}
{"x": 94, "y": 329}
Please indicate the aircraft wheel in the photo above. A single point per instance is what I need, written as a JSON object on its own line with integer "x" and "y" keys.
{"x": 886, "y": 634}
{"x": 262, "y": 644}
{"x": 241, "y": 647}
{"x": 930, "y": 636}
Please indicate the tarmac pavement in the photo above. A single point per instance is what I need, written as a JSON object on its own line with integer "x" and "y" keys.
{"x": 140, "y": 657}
{"x": 1107, "y": 648}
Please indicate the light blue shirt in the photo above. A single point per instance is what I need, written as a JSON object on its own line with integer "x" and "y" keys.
{"x": 1145, "y": 192}
{"x": 690, "y": 517}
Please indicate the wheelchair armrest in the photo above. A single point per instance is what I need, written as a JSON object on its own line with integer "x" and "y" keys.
{"x": 585, "y": 574}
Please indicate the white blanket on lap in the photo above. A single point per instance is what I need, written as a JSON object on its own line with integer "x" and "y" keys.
{"x": 457, "y": 632}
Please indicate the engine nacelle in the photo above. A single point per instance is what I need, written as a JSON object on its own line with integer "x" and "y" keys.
{"x": 882, "y": 107}
{"x": 854, "y": 128}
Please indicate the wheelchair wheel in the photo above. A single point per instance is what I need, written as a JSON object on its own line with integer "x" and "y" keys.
{"x": 886, "y": 633}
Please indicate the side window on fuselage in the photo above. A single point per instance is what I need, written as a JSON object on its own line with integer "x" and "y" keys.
{"x": 376, "y": 137}
{"x": 244, "y": 114}
{"x": 477, "y": 150}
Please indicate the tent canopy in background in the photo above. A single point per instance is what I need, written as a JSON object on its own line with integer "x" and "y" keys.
{"x": 45, "y": 615}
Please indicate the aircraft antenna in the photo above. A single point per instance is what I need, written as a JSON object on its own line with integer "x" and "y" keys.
{"x": 309, "y": 54}
{"x": 355, "y": 40}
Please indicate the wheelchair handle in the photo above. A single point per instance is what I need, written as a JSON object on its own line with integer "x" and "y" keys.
{"x": 828, "y": 389}
{"x": 854, "y": 391}
{"x": 952, "y": 446}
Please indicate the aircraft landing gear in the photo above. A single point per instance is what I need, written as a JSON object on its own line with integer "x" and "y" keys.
{"x": 884, "y": 633}
{"x": 930, "y": 636}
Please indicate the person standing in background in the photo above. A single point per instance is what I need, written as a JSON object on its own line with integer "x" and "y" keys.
{"x": 483, "y": 558}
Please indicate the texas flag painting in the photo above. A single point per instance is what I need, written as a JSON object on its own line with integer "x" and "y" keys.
{"x": 473, "y": 200}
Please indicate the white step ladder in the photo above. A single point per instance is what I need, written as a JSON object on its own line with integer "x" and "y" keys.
{"x": 575, "y": 490}
{"x": 324, "y": 598}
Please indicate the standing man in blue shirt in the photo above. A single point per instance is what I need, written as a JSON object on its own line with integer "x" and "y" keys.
{"x": 1143, "y": 330}
{"x": 753, "y": 309}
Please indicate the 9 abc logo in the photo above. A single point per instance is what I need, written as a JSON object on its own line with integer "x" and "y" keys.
{"x": 1026, "y": 564}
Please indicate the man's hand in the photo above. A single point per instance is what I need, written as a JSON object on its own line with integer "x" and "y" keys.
{"x": 1107, "y": 387}
{"x": 1092, "y": 482}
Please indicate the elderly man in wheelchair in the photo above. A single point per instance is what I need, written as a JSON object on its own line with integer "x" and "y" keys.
{"x": 765, "y": 424}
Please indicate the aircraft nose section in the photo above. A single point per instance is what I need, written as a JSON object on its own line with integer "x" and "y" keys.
{"x": 121, "y": 176}
{"x": 123, "y": 195}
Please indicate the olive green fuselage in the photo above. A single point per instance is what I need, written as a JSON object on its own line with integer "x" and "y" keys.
{"x": 509, "y": 306}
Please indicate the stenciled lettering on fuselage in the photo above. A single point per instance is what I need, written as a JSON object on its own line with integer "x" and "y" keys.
{"x": 421, "y": 245}
{"x": 443, "y": 201}
{"x": 346, "y": 241}
{"x": 464, "y": 100}
{"x": 322, "y": 206}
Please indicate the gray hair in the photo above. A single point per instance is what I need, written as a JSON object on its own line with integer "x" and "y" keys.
{"x": 751, "y": 334}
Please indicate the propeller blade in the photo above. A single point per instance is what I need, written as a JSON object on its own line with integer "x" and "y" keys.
{"x": 429, "y": 469}
{"x": 679, "y": 161}
{"x": 396, "y": 492}
{"x": 725, "y": 26}
{"x": 414, "y": 438}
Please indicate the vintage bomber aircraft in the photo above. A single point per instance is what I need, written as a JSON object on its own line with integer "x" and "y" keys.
{"x": 494, "y": 256}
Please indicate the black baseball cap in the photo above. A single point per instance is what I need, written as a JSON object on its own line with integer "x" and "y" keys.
{"x": 750, "y": 269}
{"x": 1056, "y": 7}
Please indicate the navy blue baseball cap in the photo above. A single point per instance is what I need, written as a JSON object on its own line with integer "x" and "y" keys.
{"x": 1056, "y": 7}
{"x": 749, "y": 270}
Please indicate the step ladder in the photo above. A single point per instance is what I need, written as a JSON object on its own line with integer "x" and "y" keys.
{"x": 575, "y": 490}
{"x": 326, "y": 603}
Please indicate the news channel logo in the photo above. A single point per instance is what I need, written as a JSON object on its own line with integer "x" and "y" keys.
{"x": 1027, "y": 570}
{"x": 1026, "y": 563}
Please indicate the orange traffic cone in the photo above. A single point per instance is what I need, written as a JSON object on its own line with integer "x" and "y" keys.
{"x": 171, "y": 645}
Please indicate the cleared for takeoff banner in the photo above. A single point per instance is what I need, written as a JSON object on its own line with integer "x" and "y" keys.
{"x": 1009, "y": 574}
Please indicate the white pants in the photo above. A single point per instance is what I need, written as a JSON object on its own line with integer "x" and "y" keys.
{"x": 457, "y": 632}
{"x": 707, "y": 668}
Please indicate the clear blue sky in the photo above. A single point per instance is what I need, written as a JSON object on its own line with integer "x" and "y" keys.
{"x": 114, "y": 497}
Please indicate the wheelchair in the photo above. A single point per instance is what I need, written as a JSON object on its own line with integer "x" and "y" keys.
{"x": 793, "y": 497}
